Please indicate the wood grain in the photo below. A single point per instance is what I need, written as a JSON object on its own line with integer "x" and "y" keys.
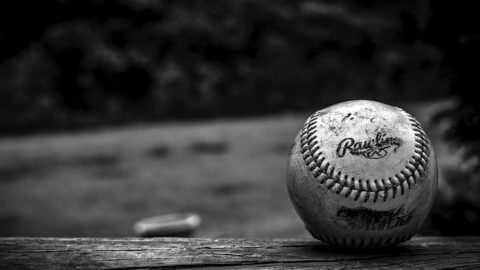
{"x": 136, "y": 253}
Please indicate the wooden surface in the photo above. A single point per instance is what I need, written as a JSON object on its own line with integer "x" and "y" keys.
{"x": 135, "y": 253}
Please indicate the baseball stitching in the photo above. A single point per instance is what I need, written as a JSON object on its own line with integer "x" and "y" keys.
{"x": 362, "y": 242}
{"x": 364, "y": 189}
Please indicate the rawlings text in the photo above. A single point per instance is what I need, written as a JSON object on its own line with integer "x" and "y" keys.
{"x": 372, "y": 148}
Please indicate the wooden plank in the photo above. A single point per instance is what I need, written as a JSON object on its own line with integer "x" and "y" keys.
{"x": 135, "y": 253}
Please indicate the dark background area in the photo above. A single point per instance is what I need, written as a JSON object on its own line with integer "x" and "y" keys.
{"x": 70, "y": 66}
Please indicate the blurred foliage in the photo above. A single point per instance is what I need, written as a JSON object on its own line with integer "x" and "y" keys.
{"x": 455, "y": 31}
{"x": 453, "y": 28}
{"x": 66, "y": 64}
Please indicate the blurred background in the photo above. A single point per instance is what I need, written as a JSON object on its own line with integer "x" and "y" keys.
{"x": 113, "y": 111}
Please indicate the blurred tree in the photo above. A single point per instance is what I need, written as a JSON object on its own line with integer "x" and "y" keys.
{"x": 126, "y": 60}
{"x": 454, "y": 29}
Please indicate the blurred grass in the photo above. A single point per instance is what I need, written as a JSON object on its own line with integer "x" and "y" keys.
{"x": 98, "y": 183}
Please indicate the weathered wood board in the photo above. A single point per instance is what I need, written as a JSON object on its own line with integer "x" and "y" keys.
{"x": 136, "y": 253}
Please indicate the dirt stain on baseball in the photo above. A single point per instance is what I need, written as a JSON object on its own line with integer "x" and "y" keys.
{"x": 365, "y": 219}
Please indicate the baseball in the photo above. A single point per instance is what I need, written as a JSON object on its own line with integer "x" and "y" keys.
{"x": 362, "y": 174}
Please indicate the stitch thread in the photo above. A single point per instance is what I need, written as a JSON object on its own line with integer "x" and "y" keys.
{"x": 365, "y": 189}
{"x": 362, "y": 242}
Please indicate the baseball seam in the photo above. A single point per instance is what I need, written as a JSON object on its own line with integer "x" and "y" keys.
{"x": 363, "y": 242}
{"x": 364, "y": 189}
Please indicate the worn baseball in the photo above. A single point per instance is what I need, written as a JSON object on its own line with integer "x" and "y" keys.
{"x": 362, "y": 174}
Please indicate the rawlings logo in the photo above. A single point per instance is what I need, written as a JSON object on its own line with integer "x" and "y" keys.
{"x": 374, "y": 148}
